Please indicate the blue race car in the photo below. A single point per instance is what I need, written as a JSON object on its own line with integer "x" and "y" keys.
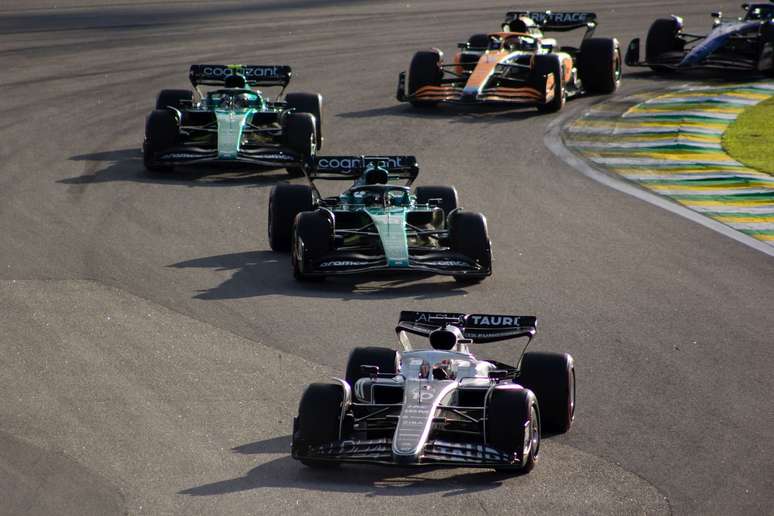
{"x": 375, "y": 225}
{"x": 744, "y": 44}
{"x": 234, "y": 122}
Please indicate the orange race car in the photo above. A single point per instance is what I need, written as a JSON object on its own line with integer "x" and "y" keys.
{"x": 517, "y": 66}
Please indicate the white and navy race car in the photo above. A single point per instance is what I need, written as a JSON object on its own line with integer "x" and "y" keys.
{"x": 744, "y": 44}
{"x": 440, "y": 406}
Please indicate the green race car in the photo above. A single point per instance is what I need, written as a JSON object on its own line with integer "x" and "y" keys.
{"x": 235, "y": 121}
{"x": 375, "y": 225}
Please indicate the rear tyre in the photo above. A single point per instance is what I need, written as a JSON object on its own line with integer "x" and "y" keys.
{"x": 551, "y": 376}
{"x": 300, "y": 136}
{"x": 425, "y": 70}
{"x": 599, "y": 65}
{"x": 309, "y": 103}
{"x": 319, "y": 414}
{"x": 513, "y": 425}
{"x": 662, "y": 38}
{"x": 161, "y": 132}
{"x": 478, "y": 41}
{"x": 545, "y": 65}
{"x": 469, "y": 236}
{"x": 174, "y": 99}
{"x": 447, "y": 195}
{"x": 313, "y": 229}
{"x": 285, "y": 202}
{"x": 384, "y": 358}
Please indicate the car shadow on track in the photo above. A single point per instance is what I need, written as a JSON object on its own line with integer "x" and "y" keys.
{"x": 125, "y": 165}
{"x": 454, "y": 113}
{"x": 708, "y": 77}
{"x": 263, "y": 273}
{"x": 367, "y": 479}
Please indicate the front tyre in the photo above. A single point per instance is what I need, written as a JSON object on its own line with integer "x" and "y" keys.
{"x": 425, "y": 71}
{"x": 285, "y": 202}
{"x": 662, "y": 38}
{"x": 548, "y": 75}
{"x": 319, "y": 416}
{"x": 162, "y": 130}
{"x": 513, "y": 425}
{"x": 312, "y": 238}
{"x": 469, "y": 236}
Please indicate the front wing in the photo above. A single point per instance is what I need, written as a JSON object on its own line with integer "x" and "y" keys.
{"x": 453, "y": 93}
{"x": 278, "y": 157}
{"x": 342, "y": 262}
{"x": 675, "y": 60}
{"x": 436, "y": 452}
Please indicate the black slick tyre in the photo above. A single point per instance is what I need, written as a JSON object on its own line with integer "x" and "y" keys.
{"x": 311, "y": 103}
{"x": 551, "y": 376}
{"x": 549, "y": 68}
{"x": 285, "y": 202}
{"x": 513, "y": 425}
{"x": 469, "y": 236}
{"x": 662, "y": 38}
{"x": 425, "y": 70}
{"x": 312, "y": 237}
{"x": 161, "y": 132}
{"x": 300, "y": 137}
{"x": 447, "y": 194}
{"x": 174, "y": 99}
{"x": 384, "y": 358}
{"x": 599, "y": 65}
{"x": 319, "y": 414}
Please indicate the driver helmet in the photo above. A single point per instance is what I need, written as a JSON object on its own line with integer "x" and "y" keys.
{"x": 235, "y": 81}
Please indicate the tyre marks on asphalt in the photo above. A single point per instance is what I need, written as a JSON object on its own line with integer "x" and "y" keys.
{"x": 670, "y": 144}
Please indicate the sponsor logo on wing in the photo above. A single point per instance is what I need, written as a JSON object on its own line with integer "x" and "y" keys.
{"x": 270, "y": 156}
{"x": 343, "y": 263}
{"x": 447, "y": 263}
{"x": 359, "y": 163}
{"x": 435, "y": 317}
{"x": 182, "y": 155}
{"x": 493, "y": 320}
{"x": 558, "y": 18}
{"x": 249, "y": 72}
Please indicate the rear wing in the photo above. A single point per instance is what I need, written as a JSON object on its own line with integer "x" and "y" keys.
{"x": 255, "y": 75}
{"x": 556, "y": 21}
{"x": 479, "y": 328}
{"x": 351, "y": 168}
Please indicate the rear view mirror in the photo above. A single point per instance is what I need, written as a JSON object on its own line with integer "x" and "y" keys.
{"x": 370, "y": 370}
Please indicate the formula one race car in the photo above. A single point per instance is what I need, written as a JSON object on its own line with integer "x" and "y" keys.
{"x": 744, "y": 44}
{"x": 441, "y": 406}
{"x": 375, "y": 225}
{"x": 234, "y": 122}
{"x": 517, "y": 66}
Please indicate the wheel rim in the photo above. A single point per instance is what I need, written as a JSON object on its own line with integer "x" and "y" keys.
{"x": 532, "y": 440}
{"x": 271, "y": 233}
{"x": 617, "y": 65}
{"x": 572, "y": 395}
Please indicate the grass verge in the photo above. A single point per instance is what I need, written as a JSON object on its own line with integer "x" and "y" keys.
{"x": 750, "y": 138}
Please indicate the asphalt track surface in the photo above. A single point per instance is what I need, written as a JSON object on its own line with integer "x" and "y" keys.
{"x": 153, "y": 349}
